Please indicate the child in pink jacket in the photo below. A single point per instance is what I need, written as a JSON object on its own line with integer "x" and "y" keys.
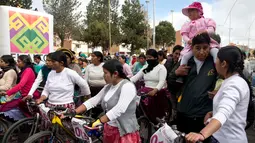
{"x": 198, "y": 24}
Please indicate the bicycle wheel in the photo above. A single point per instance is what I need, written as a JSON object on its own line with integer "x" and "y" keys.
{"x": 3, "y": 126}
{"x": 19, "y": 131}
{"x": 145, "y": 129}
{"x": 45, "y": 136}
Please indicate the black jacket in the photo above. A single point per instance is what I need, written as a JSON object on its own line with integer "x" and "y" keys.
{"x": 194, "y": 100}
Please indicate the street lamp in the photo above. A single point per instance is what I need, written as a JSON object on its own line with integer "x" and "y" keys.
{"x": 109, "y": 19}
{"x": 148, "y": 27}
{"x": 154, "y": 30}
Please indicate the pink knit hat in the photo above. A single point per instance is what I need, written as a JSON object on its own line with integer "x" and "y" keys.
{"x": 194, "y": 5}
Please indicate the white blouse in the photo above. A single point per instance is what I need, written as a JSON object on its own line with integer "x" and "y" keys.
{"x": 230, "y": 107}
{"x": 154, "y": 79}
{"x": 128, "y": 93}
{"x": 59, "y": 87}
{"x": 94, "y": 75}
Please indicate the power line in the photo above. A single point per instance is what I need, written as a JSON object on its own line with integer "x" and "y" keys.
{"x": 250, "y": 26}
{"x": 230, "y": 12}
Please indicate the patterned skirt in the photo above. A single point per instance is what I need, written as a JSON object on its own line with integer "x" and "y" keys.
{"x": 68, "y": 105}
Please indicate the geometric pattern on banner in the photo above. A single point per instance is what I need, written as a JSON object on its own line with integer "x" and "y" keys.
{"x": 28, "y": 33}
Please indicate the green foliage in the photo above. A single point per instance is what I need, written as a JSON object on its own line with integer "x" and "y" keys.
{"x": 165, "y": 34}
{"x": 66, "y": 16}
{"x": 26, "y": 4}
{"x": 133, "y": 25}
{"x": 97, "y": 22}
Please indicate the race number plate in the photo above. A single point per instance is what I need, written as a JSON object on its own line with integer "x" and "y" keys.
{"x": 164, "y": 134}
{"x": 79, "y": 129}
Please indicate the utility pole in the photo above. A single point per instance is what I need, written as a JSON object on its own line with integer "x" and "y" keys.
{"x": 154, "y": 28}
{"x": 148, "y": 27}
{"x": 172, "y": 12}
{"x": 249, "y": 34}
{"x": 109, "y": 19}
{"x": 229, "y": 28}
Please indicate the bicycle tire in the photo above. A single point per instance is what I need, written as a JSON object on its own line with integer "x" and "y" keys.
{"x": 143, "y": 121}
{"x": 15, "y": 126}
{"x": 42, "y": 134}
{"x": 4, "y": 125}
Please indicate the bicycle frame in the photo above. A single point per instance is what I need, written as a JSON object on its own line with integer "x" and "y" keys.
{"x": 57, "y": 121}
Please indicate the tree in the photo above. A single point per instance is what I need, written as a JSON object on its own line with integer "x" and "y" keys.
{"x": 97, "y": 16}
{"x": 26, "y": 4}
{"x": 133, "y": 25}
{"x": 66, "y": 16}
{"x": 165, "y": 34}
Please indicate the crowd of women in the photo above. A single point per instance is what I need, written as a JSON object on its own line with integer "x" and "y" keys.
{"x": 217, "y": 116}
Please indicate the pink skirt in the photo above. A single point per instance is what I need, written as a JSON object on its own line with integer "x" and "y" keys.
{"x": 112, "y": 135}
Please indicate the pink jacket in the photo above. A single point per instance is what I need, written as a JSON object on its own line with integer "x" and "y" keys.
{"x": 189, "y": 30}
{"x": 26, "y": 81}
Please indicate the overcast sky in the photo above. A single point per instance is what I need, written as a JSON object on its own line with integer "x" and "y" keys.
{"x": 242, "y": 16}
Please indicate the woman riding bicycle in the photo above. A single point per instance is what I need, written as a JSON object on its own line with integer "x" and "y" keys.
{"x": 118, "y": 99}
{"x": 59, "y": 88}
{"x": 25, "y": 81}
{"x": 8, "y": 75}
{"x": 154, "y": 75}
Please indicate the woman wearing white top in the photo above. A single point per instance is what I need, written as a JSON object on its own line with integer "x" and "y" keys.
{"x": 118, "y": 99}
{"x": 94, "y": 73}
{"x": 230, "y": 104}
{"x": 59, "y": 88}
{"x": 154, "y": 75}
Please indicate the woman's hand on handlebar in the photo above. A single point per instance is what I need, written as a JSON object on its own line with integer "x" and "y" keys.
{"x": 39, "y": 101}
{"x": 27, "y": 98}
{"x": 194, "y": 137}
{"x": 69, "y": 113}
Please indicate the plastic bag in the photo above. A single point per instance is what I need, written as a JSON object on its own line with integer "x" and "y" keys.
{"x": 165, "y": 134}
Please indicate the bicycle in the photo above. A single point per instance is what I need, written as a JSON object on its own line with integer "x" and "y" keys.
{"x": 81, "y": 125}
{"x": 146, "y": 125}
{"x": 24, "y": 128}
{"x": 167, "y": 134}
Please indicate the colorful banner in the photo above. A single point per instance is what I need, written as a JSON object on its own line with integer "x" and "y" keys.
{"x": 28, "y": 33}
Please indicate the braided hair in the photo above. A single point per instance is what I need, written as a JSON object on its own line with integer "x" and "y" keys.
{"x": 235, "y": 59}
{"x": 115, "y": 66}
